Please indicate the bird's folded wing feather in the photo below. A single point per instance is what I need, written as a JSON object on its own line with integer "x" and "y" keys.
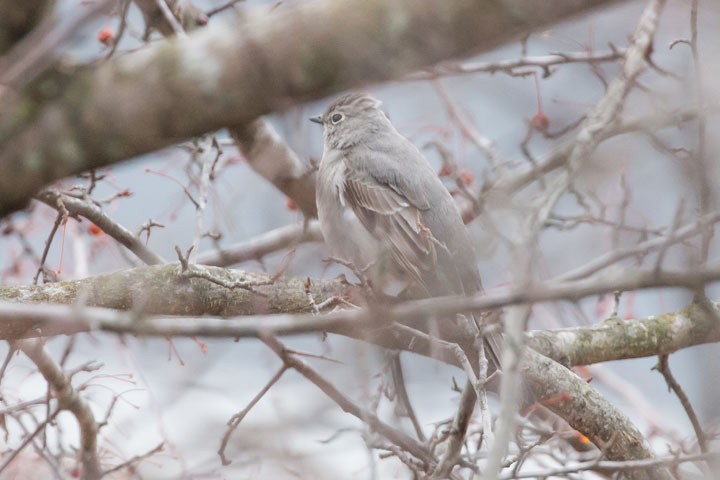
{"x": 390, "y": 216}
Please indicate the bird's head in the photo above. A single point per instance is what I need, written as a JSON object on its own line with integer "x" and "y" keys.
{"x": 349, "y": 119}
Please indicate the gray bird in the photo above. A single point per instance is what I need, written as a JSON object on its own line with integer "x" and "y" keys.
{"x": 383, "y": 208}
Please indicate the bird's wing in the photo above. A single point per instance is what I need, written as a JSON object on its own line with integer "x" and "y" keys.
{"x": 391, "y": 217}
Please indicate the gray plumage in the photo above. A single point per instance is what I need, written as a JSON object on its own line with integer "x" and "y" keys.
{"x": 382, "y": 207}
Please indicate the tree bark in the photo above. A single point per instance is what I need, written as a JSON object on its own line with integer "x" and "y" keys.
{"x": 71, "y": 120}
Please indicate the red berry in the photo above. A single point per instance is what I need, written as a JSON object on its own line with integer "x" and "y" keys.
{"x": 291, "y": 205}
{"x": 540, "y": 122}
{"x": 466, "y": 176}
{"x": 105, "y": 36}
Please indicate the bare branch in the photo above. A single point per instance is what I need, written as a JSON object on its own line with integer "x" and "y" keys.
{"x": 136, "y": 459}
{"x": 675, "y": 236}
{"x": 610, "y": 466}
{"x": 606, "y": 113}
{"x": 61, "y": 218}
{"x": 395, "y": 436}
{"x": 663, "y": 367}
{"x": 18, "y": 19}
{"x": 272, "y": 159}
{"x": 203, "y": 154}
{"x": 232, "y": 93}
{"x": 162, "y": 290}
{"x": 34, "y": 54}
{"x": 403, "y": 399}
{"x": 264, "y": 244}
{"x": 236, "y": 419}
{"x": 457, "y": 432}
{"x": 92, "y": 212}
{"x": 590, "y": 413}
{"x": 29, "y": 438}
{"x": 511, "y": 66}
{"x": 68, "y": 399}
{"x": 613, "y": 339}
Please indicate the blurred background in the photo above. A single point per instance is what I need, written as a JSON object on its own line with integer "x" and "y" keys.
{"x": 183, "y": 392}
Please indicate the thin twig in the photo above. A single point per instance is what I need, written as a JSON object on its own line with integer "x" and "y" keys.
{"x": 614, "y": 466}
{"x": 125, "y": 6}
{"x": 203, "y": 153}
{"x": 222, "y": 8}
{"x": 92, "y": 212}
{"x": 398, "y": 377}
{"x": 68, "y": 399}
{"x": 511, "y": 66}
{"x": 136, "y": 459}
{"x": 458, "y": 429}
{"x": 663, "y": 367}
{"x": 484, "y": 144}
{"x": 28, "y": 439}
{"x": 703, "y": 173}
{"x": 170, "y": 18}
{"x": 395, "y": 436}
{"x": 34, "y": 54}
{"x": 235, "y": 420}
{"x": 48, "y": 242}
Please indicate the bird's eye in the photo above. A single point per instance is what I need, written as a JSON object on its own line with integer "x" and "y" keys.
{"x": 337, "y": 118}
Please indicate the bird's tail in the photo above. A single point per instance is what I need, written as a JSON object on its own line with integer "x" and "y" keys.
{"x": 493, "y": 342}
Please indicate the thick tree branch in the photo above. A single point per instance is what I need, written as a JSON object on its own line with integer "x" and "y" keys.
{"x": 162, "y": 290}
{"x": 616, "y": 339}
{"x": 262, "y": 147}
{"x": 270, "y": 157}
{"x": 17, "y": 19}
{"x": 586, "y": 410}
{"x": 230, "y": 76}
{"x": 598, "y": 418}
{"x": 35, "y": 52}
{"x": 575, "y": 401}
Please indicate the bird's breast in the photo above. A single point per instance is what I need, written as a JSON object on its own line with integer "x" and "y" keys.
{"x": 344, "y": 234}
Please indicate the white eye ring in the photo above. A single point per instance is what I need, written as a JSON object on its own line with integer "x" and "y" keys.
{"x": 337, "y": 118}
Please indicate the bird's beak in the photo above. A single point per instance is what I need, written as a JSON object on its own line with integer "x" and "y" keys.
{"x": 317, "y": 119}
